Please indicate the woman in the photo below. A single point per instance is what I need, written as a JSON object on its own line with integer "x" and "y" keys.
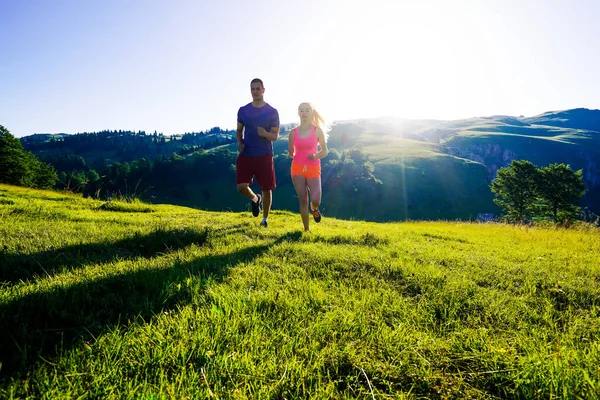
{"x": 307, "y": 145}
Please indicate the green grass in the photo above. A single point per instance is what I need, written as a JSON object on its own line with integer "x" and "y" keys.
{"x": 99, "y": 302}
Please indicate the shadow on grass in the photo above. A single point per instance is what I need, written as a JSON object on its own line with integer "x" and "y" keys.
{"x": 44, "y": 325}
{"x": 125, "y": 207}
{"x": 15, "y": 267}
{"x": 368, "y": 239}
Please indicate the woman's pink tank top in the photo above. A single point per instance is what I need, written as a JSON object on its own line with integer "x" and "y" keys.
{"x": 305, "y": 146}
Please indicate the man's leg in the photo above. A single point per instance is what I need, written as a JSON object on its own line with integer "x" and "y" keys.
{"x": 245, "y": 190}
{"x": 255, "y": 200}
{"x": 266, "y": 200}
{"x": 243, "y": 176}
{"x": 243, "y": 179}
{"x": 266, "y": 179}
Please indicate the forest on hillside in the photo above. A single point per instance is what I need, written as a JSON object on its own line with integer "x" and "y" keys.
{"x": 121, "y": 146}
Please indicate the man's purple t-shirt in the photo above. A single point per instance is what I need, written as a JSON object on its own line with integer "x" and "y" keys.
{"x": 253, "y": 117}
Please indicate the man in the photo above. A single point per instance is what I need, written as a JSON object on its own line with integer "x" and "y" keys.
{"x": 257, "y": 129}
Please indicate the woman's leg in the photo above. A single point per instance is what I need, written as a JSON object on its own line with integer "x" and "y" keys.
{"x": 300, "y": 186}
{"x": 314, "y": 185}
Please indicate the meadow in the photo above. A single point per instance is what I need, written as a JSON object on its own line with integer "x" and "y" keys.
{"x": 132, "y": 300}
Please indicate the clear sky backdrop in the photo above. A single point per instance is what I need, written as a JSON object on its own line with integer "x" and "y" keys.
{"x": 179, "y": 66}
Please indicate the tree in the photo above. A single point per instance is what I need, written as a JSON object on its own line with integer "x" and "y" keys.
{"x": 559, "y": 188}
{"x": 516, "y": 189}
{"x": 13, "y": 163}
{"x": 92, "y": 175}
{"x": 334, "y": 155}
{"x": 43, "y": 174}
{"x": 19, "y": 167}
{"x": 357, "y": 154}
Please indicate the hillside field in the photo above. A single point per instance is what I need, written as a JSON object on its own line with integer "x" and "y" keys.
{"x": 133, "y": 300}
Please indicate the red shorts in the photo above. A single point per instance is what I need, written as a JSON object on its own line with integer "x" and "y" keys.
{"x": 261, "y": 167}
{"x": 309, "y": 171}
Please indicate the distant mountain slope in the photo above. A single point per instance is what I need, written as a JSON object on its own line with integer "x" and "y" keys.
{"x": 577, "y": 118}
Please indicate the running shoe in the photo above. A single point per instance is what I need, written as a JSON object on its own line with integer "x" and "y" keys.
{"x": 256, "y": 206}
{"x": 316, "y": 215}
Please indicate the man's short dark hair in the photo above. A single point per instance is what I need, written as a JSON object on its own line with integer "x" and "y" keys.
{"x": 256, "y": 80}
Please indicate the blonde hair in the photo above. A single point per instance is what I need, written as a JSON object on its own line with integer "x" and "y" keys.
{"x": 318, "y": 120}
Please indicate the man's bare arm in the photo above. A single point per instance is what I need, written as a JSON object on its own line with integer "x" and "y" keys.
{"x": 239, "y": 134}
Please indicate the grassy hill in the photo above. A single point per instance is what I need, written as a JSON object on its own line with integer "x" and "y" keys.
{"x": 130, "y": 300}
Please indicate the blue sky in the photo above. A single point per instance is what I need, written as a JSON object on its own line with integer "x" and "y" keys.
{"x": 183, "y": 65}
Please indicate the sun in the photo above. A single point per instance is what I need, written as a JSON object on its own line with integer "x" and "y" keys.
{"x": 403, "y": 59}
